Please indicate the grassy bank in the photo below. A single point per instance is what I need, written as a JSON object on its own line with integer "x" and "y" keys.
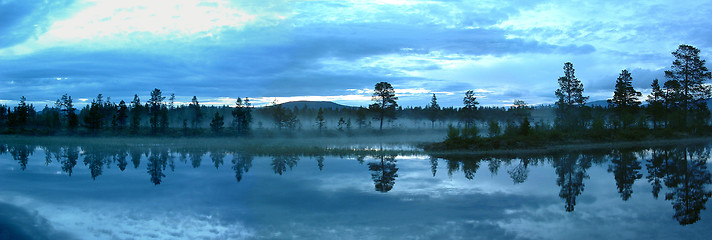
{"x": 405, "y": 143}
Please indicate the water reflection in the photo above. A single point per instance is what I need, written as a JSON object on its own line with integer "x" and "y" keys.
{"x": 626, "y": 169}
{"x": 686, "y": 180}
{"x": 241, "y": 164}
{"x": 384, "y": 172}
{"x": 680, "y": 173}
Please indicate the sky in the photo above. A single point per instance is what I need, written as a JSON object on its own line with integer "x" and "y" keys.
{"x": 337, "y": 51}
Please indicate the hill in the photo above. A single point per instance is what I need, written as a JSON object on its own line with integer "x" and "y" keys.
{"x": 314, "y": 105}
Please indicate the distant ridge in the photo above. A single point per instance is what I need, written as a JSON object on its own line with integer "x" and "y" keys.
{"x": 314, "y": 105}
{"x": 597, "y": 103}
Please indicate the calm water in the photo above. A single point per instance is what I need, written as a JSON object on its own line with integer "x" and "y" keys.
{"x": 85, "y": 192}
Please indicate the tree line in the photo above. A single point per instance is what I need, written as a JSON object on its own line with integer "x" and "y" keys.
{"x": 678, "y": 106}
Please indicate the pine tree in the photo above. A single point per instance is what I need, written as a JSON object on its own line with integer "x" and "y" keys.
{"x": 625, "y": 99}
{"x": 656, "y": 109}
{"x": 384, "y": 98}
{"x": 217, "y": 123}
{"x": 197, "y": 115}
{"x": 468, "y": 111}
{"x": 691, "y": 73}
{"x": 136, "y": 111}
{"x": 320, "y": 122}
{"x": 433, "y": 111}
{"x": 570, "y": 90}
{"x": 571, "y": 99}
{"x": 155, "y": 106}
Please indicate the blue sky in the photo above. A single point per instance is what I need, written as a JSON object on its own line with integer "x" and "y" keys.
{"x": 337, "y": 50}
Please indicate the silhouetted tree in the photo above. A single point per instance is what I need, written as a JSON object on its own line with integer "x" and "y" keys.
{"x": 470, "y": 107}
{"x": 656, "y": 109}
{"x": 242, "y": 116}
{"x": 67, "y": 111}
{"x": 93, "y": 119}
{"x": 217, "y": 123}
{"x": 690, "y": 71}
{"x": 384, "y": 98}
{"x": 20, "y": 117}
{"x": 341, "y": 124}
{"x": 136, "y": 111}
{"x": 197, "y": 115}
{"x": 320, "y": 122}
{"x": 155, "y": 109}
{"x": 171, "y": 101}
{"x": 284, "y": 118}
{"x": 493, "y": 128}
{"x": 570, "y": 95}
{"x": 625, "y": 99}
{"x": 122, "y": 114}
{"x": 433, "y": 111}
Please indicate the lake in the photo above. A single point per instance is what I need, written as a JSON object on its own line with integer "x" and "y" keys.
{"x": 90, "y": 191}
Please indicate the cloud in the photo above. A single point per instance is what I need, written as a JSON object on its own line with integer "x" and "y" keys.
{"x": 21, "y": 20}
{"x": 18, "y": 223}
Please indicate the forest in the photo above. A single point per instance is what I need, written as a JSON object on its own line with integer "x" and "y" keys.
{"x": 675, "y": 108}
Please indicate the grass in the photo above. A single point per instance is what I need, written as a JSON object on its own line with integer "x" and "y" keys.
{"x": 313, "y": 145}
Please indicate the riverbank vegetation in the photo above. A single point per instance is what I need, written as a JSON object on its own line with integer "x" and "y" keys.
{"x": 678, "y": 109}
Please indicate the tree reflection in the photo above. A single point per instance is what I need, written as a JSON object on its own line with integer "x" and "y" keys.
{"x": 626, "y": 169}
{"x": 95, "y": 161}
{"x": 135, "y": 157}
{"x": 241, "y": 164}
{"x": 320, "y": 162}
{"x": 433, "y": 165}
{"x": 469, "y": 168}
{"x": 656, "y": 166}
{"x": 120, "y": 159}
{"x": 217, "y": 158}
{"x": 69, "y": 159}
{"x": 493, "y": 165}
{"x": 156, "y": 165}
{"x": 571, "y": 171}
{"x": 384, "y": 173}
{"x": 21, "y": 154}
{"x": 196, "y": 156}
{"x": 281, "y": 162}
{"x": 688, "y": 175}
{"x": 519, "y": 173}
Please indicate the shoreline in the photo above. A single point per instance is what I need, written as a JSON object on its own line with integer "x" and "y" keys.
{"x": 334, "y": 145}
{"x": 578, "y": 147}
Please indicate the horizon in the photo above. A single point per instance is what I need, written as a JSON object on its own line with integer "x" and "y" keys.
{"x": 337, "y": 51}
